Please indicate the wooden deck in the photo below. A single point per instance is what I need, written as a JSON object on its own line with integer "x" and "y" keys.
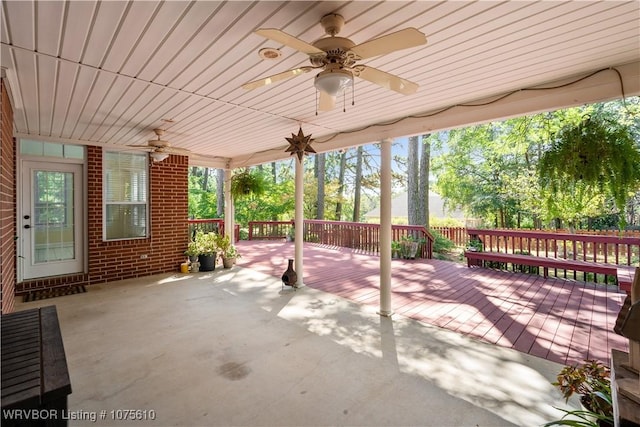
{"x": 560, "y": 320}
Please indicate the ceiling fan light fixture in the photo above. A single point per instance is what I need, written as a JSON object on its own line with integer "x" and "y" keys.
{"x": 158, "y": 157}
{"x": 333, "y": 81}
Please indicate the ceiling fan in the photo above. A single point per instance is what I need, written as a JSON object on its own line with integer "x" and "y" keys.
{"x": 160, "y": 149}
{"x": 338, "y": 57}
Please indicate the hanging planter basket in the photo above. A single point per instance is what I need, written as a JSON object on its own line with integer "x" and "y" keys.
{"x": 598, "y": 152}
{"x": 246, "y": 184}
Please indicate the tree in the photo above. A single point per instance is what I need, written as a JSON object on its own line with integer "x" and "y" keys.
{"x": 320, "y": 177}
{"x": 358, "y": 184}
{"x": 220, "y": 193}
{"x": 341, "y": 173}
{"x": 413, "y": 182}
{"x": 425, "y": 162}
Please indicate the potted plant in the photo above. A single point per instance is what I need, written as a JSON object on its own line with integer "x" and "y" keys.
{"x": 409, "y": 246}
{"x": 207, "y": 246}
{"x": 396, "y": 249}
{"x": 591, "y": 381}
{"x": 474, "y": 245}
{"x": 228, "y": 252}
{"x": 291, "y": 234}
{"x": 192, "y": 251}
{"x": 246, "y": 183}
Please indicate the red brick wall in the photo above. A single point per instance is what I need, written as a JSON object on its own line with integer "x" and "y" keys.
{"x": 169, "y": 229}
{"x": 7, "y": 204}
{"x": 109, "y": 261}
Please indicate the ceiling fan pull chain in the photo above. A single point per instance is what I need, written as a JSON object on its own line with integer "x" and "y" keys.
{"x": 317, "y": 102}
{"x": 353, "y": 93}
{"x": 344, "y": 101}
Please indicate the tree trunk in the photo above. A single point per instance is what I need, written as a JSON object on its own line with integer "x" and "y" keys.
{"x": 274, "y": 176}
{"x": 320, "y": 162}
{"x": 413, "y": 182}
{"x": 205, "y": 180}
{"x": 425, "y": 161}
{"x": 343, "y": 166}
{"x": 358, "y": 186}
{"x": 220, "y": 193}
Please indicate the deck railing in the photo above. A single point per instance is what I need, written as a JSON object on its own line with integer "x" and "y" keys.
{"x": 269, "y": 230}
{"x": 356, "y": 235}
{"x": 457, "y": 235}
{"x": 207, "y": 225}
{"x": 584, "y": 247}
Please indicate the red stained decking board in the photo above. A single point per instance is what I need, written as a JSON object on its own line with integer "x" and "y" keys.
{"x": 560, "y": 320}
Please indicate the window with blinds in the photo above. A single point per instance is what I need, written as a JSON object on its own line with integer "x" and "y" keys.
{"x": 126, "y": 185}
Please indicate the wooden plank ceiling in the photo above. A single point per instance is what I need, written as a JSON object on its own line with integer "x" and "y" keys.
{"x": 107, "y": 73}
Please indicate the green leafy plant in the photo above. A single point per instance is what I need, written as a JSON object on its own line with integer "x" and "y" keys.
{"x": 409, "y": 246}
{"x": 247, "y": 183}
{"x": 440, "y": 243}
{"x": 597, "y": 153}
{"x": 192, "y": 249}
{"x": 226, "y": 249}
{"x": 206, "y": 243}
{"x": 474, "y": 245}
{"x": 591, "y": 381}
{"x": 396, "y": 248}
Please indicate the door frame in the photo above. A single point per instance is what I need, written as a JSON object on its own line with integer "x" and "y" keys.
{"x": 25, "y": 164}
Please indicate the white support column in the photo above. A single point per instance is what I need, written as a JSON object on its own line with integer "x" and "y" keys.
{"x": 299, "y": 219}
{"x": 229, "y": 215}
{"x": 385, "y": 229}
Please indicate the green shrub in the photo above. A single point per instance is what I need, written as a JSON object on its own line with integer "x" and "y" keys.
{"x": 440, "y": 243}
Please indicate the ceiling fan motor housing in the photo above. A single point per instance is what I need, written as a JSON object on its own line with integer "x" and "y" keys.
{"x": 337, "y": 49}
{"x": 332, "y": 23}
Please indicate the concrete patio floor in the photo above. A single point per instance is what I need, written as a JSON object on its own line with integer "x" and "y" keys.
{"x": 230, "y": 348}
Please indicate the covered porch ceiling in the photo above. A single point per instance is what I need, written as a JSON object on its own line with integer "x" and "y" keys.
{"x": 108, "y": 73}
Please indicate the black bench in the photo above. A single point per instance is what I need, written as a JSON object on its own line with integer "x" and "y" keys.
{"x": 35, "y": 378}
{"x": 623, "y": 274}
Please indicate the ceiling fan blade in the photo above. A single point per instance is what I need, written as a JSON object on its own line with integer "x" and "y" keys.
{"x": 403, "y": 39}
{"x": 386, "y": 80}
{"x": 289, "y": 40}
{"x": 276, "y": 78}
{"x": 326, "y": 102}
{"x": 173, "y": 150}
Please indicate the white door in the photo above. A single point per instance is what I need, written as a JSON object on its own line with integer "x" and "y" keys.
{"x": 51, "y": 218}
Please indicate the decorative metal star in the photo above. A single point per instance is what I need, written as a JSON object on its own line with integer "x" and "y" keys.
{"x": 299, "y": 144}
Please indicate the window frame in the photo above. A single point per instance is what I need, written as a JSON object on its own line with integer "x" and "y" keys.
{"x": 106, "y": 203}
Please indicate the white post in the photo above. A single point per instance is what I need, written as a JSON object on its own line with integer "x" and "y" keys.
{"x": 299, "y": 221}
{"x": 385, "y": 229}
{"x": 229, "y": 215}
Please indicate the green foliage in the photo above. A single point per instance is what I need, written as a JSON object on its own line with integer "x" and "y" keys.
{"x": 205, "y": 243}
{"x": 475, "y": 245}
{"x": 192, "y": 249}
{"x": 247, "y": 183}
{"x": 591, "y": 381}
{"x": 226, "y": 249}
{"x": 440, "y": 243}
{"x": 445, "y": 222}
{"x": 202, "y": 204}
{"x": 276, "y": 203}
{"x": 595, "y": 155}
{"x": 492, "y": 171}
{"x": 481, "y": 171}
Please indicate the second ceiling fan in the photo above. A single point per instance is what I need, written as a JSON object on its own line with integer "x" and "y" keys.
{"x": 338, "y": 56}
